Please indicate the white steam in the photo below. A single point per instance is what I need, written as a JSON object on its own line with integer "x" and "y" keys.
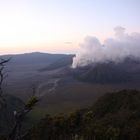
{"x": 113, "y": 49}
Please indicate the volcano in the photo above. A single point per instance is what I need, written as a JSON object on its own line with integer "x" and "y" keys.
{"x": 125, "y": 71}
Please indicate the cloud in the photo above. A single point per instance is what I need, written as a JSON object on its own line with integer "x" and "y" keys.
{"x": 68, "y": 43}
{"x": 114, "y": 49}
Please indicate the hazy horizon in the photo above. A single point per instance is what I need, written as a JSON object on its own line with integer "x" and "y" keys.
{"x": 33, "y": 52}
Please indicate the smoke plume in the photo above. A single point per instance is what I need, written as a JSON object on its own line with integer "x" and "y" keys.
{"x": 115, "y": 49}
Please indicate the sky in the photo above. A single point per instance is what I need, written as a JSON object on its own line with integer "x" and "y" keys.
{"x": 59, "y": 26}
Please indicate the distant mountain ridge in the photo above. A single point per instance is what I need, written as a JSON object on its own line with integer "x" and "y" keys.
{"x": 63, "y": 62}
{"x": 33, "y": 58}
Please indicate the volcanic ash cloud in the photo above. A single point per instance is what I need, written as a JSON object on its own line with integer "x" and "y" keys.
{"x": 114, "y": 49}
